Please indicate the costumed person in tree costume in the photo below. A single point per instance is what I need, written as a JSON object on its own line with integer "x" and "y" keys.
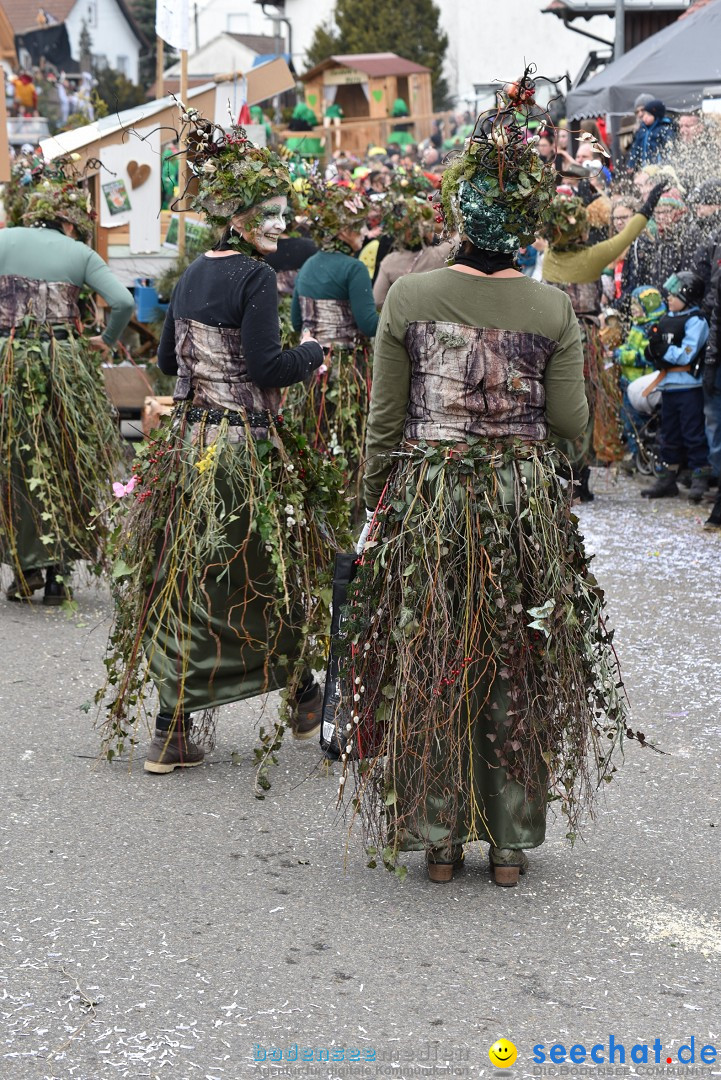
{"x": 333, "y": 301}
{"x": 476, "y": 652}
{"x": 576, "y": 268}
{"x": 410, "y": 219}
{"x": 27, "y": 170}
{"x": 59, "y": 440}
{"x": 232, "y": 519}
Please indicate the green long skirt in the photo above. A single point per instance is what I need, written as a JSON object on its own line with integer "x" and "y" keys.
{"x": 221, "y": 641}
{"x": 479, "y": 680}
{"x": 223, "y": 568}
{"x": 60, "y": 450}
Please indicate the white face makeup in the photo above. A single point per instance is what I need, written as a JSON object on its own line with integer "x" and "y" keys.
{"x": 264, "y": 224}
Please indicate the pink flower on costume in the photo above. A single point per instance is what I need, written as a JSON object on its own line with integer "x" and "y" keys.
{"x": 119, "y": 490}
{"x": 354, "y": 204}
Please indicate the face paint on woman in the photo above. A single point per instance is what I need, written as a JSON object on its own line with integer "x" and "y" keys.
{"x": 265, "y": 224}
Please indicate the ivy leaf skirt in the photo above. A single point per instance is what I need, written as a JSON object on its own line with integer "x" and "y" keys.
{"x": 223, "y": 568}
{"x": 332, "y": 411}
{"x": 479, "y": 679}
{"x": 61, "y": 450}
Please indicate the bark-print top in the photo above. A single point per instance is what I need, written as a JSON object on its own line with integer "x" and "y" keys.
{"x": 212, "y": 371}
{"x": 330, "y": 322}
{"x": 473, "y": 381}
{"x": 221, "y": 337}
{"x": 44, "y": 301}
{"x": 286, "y": 281}
{"x": 585, "y": 297}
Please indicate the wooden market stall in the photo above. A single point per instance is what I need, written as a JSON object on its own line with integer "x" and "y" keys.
{"x": 122, "y": 157}
{"x": 366, "y": 86}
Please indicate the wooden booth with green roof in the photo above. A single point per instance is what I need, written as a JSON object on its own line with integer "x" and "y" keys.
{"x": 379, "y": 99}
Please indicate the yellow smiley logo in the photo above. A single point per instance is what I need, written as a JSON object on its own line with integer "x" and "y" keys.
{"x": 502, "y": 1054}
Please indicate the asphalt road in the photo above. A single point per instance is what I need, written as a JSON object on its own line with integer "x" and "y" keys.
{"x": 176, "y": 927}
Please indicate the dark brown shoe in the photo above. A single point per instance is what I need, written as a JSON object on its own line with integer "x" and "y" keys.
{"x": 305, "y": 717}
{"x": 23, "y": 586}
{"x": 172, "y": 749}
{"x": 506, "y": 865}
{"x": 443, "y": 863}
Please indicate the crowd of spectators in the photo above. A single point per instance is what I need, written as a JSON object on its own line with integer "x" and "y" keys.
{"x": 682, "y": 151}
{"x": 683, "y": 238}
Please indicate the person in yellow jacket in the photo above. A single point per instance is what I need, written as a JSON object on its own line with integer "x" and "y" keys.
{"x": 575, "y": 267}
{"x": 26, "y": 96}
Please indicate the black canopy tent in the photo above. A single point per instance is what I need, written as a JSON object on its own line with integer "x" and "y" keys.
{"x": 676, "y": 64}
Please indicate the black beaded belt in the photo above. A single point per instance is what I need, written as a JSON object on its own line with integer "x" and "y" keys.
{"x": 196, "y": 414}
{"x": 60, "y": 334}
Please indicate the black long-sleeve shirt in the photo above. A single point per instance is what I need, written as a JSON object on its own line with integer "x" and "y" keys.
{"x": 237, "y": 291}
{"x": 292, "y": 252}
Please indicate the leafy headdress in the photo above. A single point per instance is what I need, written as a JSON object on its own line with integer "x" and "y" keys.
{"x": 333, "y": 209}
{"x": 409, "y": 182}
{"x": 230, "y": 174}
{"x": 407, "y": 216}
{"x": 498, "y": 189}
{"x": 54, "y": 194}
{"x": 26, "y": 172}
{"x": 566, "y": 224}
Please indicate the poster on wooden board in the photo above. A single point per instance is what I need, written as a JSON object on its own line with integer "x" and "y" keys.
{"x": 131, "y": 186}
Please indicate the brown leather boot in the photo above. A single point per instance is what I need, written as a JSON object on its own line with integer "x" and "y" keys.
{"x": 507, "y": 864}
{"x": 171, "y": 746}
{"x": 443, "y": 863}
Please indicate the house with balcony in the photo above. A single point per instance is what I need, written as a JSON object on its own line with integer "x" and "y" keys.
{"x": 116, "y": 38}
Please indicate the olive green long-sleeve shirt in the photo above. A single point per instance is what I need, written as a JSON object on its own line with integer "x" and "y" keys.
{"x": 47, "y": 255}
{"x": 534, "y": 315}
{"x": 587, "y": 264}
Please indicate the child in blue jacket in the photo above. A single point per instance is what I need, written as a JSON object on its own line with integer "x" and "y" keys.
{"x": 676, "y": 348}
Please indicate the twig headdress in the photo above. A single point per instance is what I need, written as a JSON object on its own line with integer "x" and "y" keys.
{"x": 407, "y": 211}
{"x": 497, "y": 191}
{"x": 231, "y": 174}
{"x": 332, "y": 209}
{"x": 566, "y": 224}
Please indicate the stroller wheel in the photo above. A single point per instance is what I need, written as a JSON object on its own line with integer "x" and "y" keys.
{"x": 643, "y": 464}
